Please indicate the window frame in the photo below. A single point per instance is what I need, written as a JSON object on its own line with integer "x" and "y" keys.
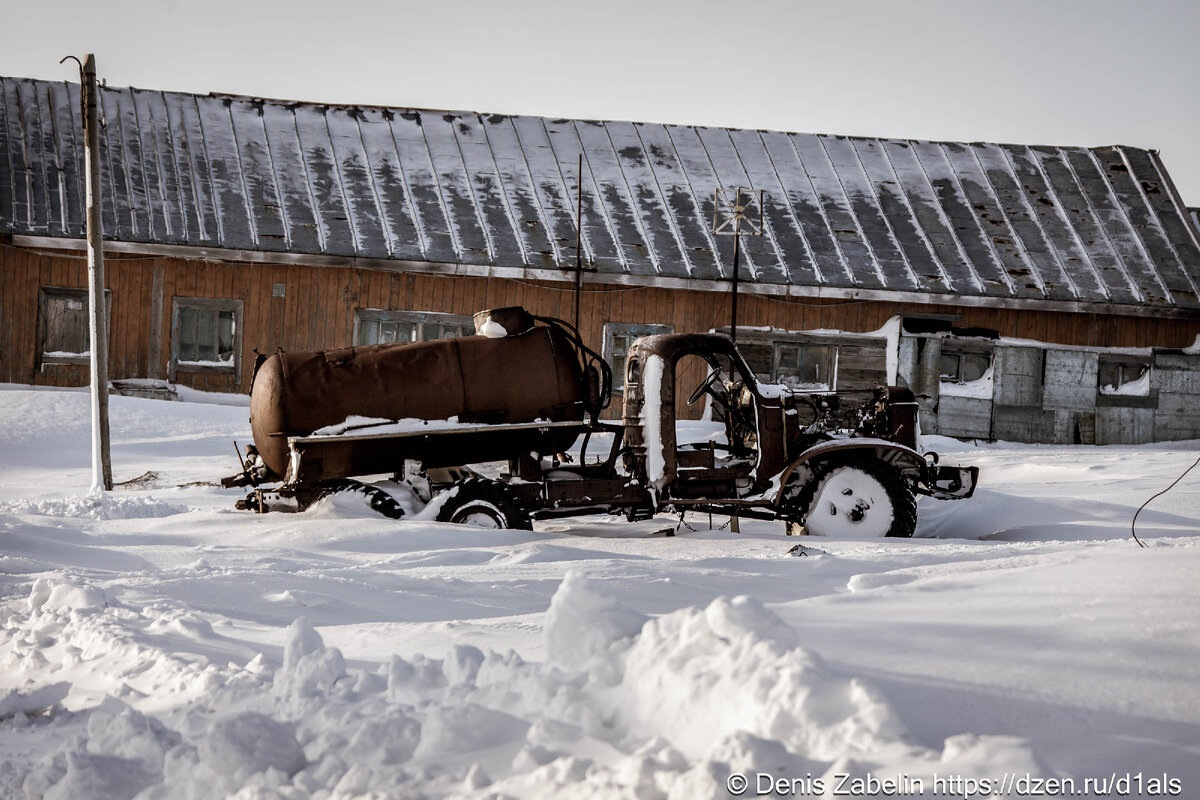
{"x": 46, "y": 294}
{"x": 178, "y": 365}
{"x": 830, "y": 361}
{"x": 634, "y": 330}
{"x": 958, "y": 351}
{"x": 1121, "y": 363}
{"x": 417, "y": 319}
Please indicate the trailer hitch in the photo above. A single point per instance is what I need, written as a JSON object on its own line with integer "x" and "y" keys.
{"x": 944, "y": 482}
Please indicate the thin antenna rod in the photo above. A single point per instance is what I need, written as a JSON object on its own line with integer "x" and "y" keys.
{"x": 579, "y": 242}
{"x": 738, "y": 223}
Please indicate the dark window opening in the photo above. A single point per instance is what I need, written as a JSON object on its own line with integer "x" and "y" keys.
{"x": 205, "y": 335}
{"x": 808, "y": 367}
{"x": 618, "y": 338}
{"x": 65, "y": 325}
{"x": 963, "y": 367}
{"x": 1122, "y": 376}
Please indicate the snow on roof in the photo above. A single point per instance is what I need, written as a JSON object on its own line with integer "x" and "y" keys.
{"x": 1011, "y": 224}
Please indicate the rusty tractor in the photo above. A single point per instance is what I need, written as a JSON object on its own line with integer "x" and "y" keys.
{"x": 526, "y": 390}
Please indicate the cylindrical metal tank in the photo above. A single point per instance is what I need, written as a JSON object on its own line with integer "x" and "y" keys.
{"x": 522, "y": 377}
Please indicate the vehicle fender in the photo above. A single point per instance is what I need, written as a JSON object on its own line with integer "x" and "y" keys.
{"x": 904, "y": 458}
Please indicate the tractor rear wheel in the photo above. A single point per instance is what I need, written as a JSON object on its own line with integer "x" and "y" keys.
{"x": 858, "y": 499}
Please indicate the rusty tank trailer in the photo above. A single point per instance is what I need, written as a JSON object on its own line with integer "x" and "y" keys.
{"x": 518, "y": 372}
{"x": 528, "y": 387}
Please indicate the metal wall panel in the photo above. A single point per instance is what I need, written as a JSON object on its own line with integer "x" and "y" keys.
{"x": 235, "y": 225}
{"x": 506, "y": 243}
{"x": 1163, "y": 260}
{"x": 434, "y": 222}
{"x": 598, "y": 227}
{"x": 836, "y": 209}
{"x": 191, "y": 160}
{"x": 1122, "y": 425}
{"x": 965, "y": 417}
{"x": 864, "y": 205}
{"x": 692, "y": 224}
{"x": 399, "y": 226}
{"x": 654, "y": 216}
{"x": 556, "y": 192}
{"x": 266, "y": 225}
{"x": 980, "y": 258}
{"x": 168, "y": 208}
{"x": 1175, "y": 378}
{"x": 1018, "y": 376}
{"x": 532, "y": 226}
{"x": 1022, "y": 424}
{"x": 1070, "y": 382}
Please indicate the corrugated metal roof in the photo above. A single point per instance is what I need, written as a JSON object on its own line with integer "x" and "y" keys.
{"x": 1001, "y": 223}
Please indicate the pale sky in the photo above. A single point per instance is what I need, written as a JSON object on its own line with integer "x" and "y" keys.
{"x": 1069, "y": 72}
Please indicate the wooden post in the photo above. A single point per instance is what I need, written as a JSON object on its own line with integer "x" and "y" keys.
{"x": 98, "y": 316}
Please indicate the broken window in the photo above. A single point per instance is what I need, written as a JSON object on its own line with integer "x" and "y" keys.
{"x": 64, "y": 324}
{"x": 618, "y": 337}
{"x": 205, "y": 334}
{"x": 378, "y": 326}
{"x": 805, "y": 367}
{"x": 1123, "y": 376}
{"x": 963, "y": 367}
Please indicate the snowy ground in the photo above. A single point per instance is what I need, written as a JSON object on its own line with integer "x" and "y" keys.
{"x": 160, "y": 644}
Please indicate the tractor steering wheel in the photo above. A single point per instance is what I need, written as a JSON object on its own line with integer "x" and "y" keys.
{"x": 706, "y": 385}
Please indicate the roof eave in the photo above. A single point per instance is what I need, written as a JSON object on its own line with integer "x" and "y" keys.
{"x": 567, "y": 275}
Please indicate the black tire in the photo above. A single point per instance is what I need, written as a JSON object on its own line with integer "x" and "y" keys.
{"x": 380, "y": 501}
{"x": 484, "y": 504}
{"x": 859, "y": 497}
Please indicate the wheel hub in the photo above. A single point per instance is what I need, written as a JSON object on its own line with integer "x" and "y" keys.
{"x": 850, "y": 502}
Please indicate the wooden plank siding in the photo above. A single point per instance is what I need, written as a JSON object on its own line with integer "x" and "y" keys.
{"x": 318, "y": 307}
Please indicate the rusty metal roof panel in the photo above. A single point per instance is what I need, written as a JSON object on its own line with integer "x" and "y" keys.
{"x": 1008, "y": 223}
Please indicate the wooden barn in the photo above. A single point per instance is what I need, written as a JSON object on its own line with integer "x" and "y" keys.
{"x": 1025, "y": 293}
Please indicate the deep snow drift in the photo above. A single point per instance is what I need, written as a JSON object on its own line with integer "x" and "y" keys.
{"x": 158, "y": 644}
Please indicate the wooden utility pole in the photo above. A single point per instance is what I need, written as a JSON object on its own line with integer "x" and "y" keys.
{"x": 98, "y": 312}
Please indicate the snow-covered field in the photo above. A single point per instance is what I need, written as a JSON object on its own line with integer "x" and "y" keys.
{"x": 159, "y": 644}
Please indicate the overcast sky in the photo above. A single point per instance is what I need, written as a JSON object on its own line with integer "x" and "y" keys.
{"x": 1075, "y": 72}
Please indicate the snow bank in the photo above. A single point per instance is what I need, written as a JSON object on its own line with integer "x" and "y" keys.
{"x": 105, "y": 506}
{"x": 338, "y": 654}
{"x": 624, "y": 706}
